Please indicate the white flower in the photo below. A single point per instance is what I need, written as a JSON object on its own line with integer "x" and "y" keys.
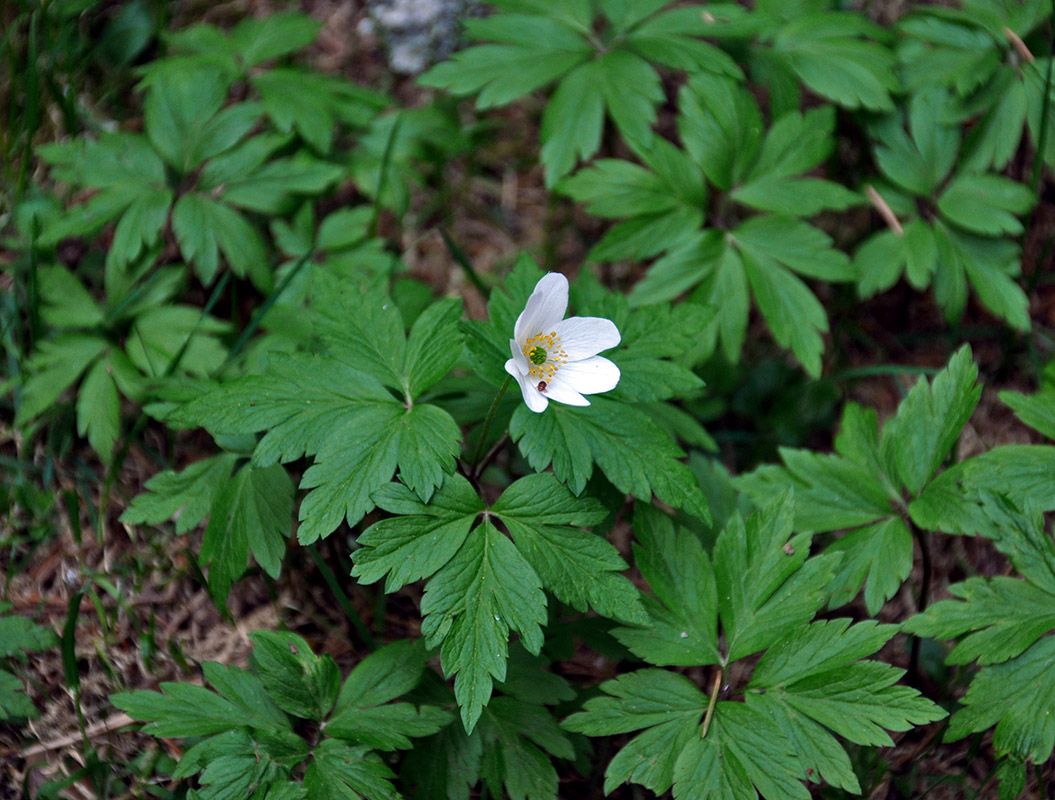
{"x": 556, "y": 358}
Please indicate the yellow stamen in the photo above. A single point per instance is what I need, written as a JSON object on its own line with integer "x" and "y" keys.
{"x": 554, "y": 355}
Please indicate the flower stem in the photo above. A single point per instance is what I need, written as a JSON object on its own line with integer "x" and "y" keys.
{"x": 487, "y": 422}
{"x": 924, "y": 596}
{"x": 713, "y": 702}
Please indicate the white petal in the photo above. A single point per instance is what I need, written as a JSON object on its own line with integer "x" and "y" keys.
{"x": 589, "y": 376}
{"x": 582, "y": 337}
{"x": 519, "y": 358}
{"x": 545, "y": 308}
{"x": 561, "y": 390}
{"x": 528, "y": 388}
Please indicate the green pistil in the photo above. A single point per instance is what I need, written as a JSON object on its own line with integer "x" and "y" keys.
{"x": 538, "y": 356}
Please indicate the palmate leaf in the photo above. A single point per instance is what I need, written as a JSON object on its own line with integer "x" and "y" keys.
{"x": 480, "y": 584}
{"x": 132, "y": 188}
{"x": 509, "y": 749}
{"x": 364, "y": 712}
{"x": 764, "y": 257}
{"x": 959, "y": 246}
{"x": 533, "y": 45}
{"x": 252, "y": 41}
{"x": 827, "y": 53}
{"x": 859, "y": 486}
{"x": 250, "y": 747}
{"x": 57, "y": 364}
{"x": 809, "y": 684}
{"x": 248, "y": 512}
{"x": 634, "y": 453}
{"x": 760, "y": 588}
{"x": 1002, "y": 623}
{"x": 356, "y": 429}
{"x": 311, "y": 103}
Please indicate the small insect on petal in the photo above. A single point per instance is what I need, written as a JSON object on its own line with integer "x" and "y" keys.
{"x": 541, "y": 386}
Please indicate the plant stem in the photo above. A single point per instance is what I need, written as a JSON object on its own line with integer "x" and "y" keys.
{"x": 342, "y": 599}
{"x": 487, "y": 422}
{"x": 713, "y": 702}
{"x": 463, "y": 261}
{"x": 924, "y": 595}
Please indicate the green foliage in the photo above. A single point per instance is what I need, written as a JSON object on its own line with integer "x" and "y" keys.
{"x": 594, "y": 59}
{"x": 250, "y": 723}
{"x": 1002, "y": 624}
{"x": 218, "y": 245}
{"x": 508, "y": 747}
{"x": 981, "y": 53}
{"x": 137, "y": 339}
{"x": 313, "y": 405}
{"x": 955, "y": 222}
{"x": 18, "y": 636}
{"x": 201, "y": 164}
{"x": 483, "y": 585}
{"x": 836, "y": 54}
{"x": 760, "y": 589}
{"x": 619, "y": 433}
{"x": 249, "y": 509}
{"x": 872, "y": 483}
{"x": 737, "y": 256}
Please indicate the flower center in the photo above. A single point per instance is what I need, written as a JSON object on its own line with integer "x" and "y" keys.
{"x": 545, "y": 354}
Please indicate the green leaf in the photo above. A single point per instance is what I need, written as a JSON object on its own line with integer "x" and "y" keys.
{"x": 53, "y": 368}
{"x": 538, "y": 51}
{"x": 516, "y": 733}
{"x": 414, "y": 545}
{"x": 14, "y": 705}
{"x": 99, "y": 410}
{"x": 879, "y": 556}
{"x": 300, "y": 100}
{"x": 360, "y": 714}
{"x": 986, "y": 204}
{"x": 746, "y": 752}
{"x": 176, "y": 339}
{"x": 573, "y": 121}
{"x": 471, "y": 603}
{"x": 182, "y": 709}
{"x": 825, "y": 53}
{"x": 140, "y": 226}
{"x": 299, "y": 682}
{"x": 1036, "y": 410}
{"x": 66, "y": 301}
{"x": 816, "y": 672}
{"x": 270, "y": 188}
{"x": 204, "y": 227}
{"x": 929, "y": 420}
{"x": 251, "y": 513}
{"x": 1018, "y": 470}
{"x": 433, "y": 345}
{"x": 682, "y": 625}
{"x": 178, "y": 105}
{"x": 295, "y": 403}
{"x": 1018, "y": 697}
{"x": 340, "y": 772}
{"x": 721, "y": 128}
{"x": 262, "y": 39}
{"x": 766, "y": 586}
{"x": 632, "y": 451}
{"x": 19, "y": 636}
{"x": 188, "y": 496}
{"x": 1001, "y": 616}
{"x": 669, "y": 706}
{"x": 580, "y": 568}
